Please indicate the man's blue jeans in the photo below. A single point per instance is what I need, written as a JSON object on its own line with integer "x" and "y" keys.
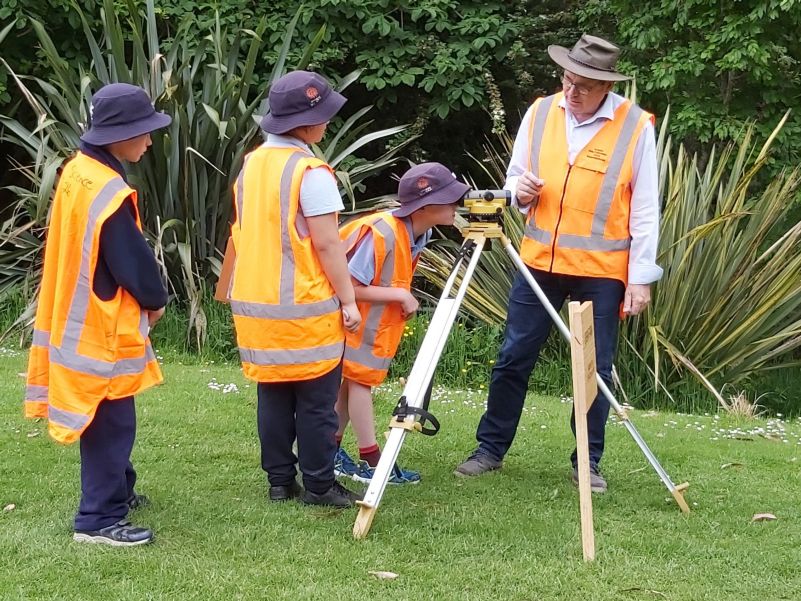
{"x": 527, "y": 328}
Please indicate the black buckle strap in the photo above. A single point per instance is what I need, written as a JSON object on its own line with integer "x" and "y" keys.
{"x": 403, "y": 410}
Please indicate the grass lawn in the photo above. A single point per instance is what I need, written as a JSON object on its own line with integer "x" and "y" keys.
{"x": 512, "y": 534}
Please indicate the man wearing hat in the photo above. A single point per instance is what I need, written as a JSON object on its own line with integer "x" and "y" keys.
{"x": 101, "y": 292}
{"x": 290, "y": 291}
{"x": 584, "y": 171}
{"x": 383, "y": 249}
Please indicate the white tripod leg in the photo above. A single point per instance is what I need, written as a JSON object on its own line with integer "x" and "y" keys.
{"x": 417, "y": 384}
{"x": 675, "y": 490}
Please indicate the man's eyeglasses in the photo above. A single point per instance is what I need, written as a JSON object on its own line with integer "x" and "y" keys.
{"x": 568, "y": 83}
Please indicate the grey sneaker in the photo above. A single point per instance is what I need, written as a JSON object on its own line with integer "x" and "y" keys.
{"x": 597, "y": 481}
{"x": 477, "y": 464}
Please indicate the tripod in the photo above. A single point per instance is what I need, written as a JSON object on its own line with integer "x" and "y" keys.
{"x": 411, "y": 413}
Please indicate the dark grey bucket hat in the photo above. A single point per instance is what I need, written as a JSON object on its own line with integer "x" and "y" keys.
{"x": 121, "y": 111}
{"x": 428, "y": 184}
{"x": 300, "y": 98}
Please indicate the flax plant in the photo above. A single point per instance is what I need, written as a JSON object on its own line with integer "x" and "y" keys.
{"x": 729, "y": 303}
{"x": 209, "y": 84}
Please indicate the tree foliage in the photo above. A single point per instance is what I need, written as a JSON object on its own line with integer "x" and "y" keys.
{"x": 716, "y": 64}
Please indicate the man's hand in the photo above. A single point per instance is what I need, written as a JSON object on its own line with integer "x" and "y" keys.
{"x": 636, "y": 298}
{"x": 408, "y": 304}
{"x": 154, "y": 316}
{"x": 351, "y": 316}
{"x": 529, "y": 187}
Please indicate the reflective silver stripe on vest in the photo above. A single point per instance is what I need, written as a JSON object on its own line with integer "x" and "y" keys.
{"x": 363, "y": 354}
{"x": 240, "y": 189}
{"x": 40, "y": 338}
{"x": 287, "y": 290}
{"x": 538, "y": 130}
{"x": 351, "y": 240}
{"x": 144, "y": 324}
{"x": 79, "y": 304}
{"x": 607, "y": 194}
{"x": 592, "y": 243}
{"x": 67, "y": 354}
{"x": 35, "y": 393}
{"x": 98, "y": 367}
{"x": 67, "y": 419}
{"x": 538, "y": 234}
{"x": 291, "y": 356}
{"x": 540, "y": 117}
{"x": 266, "y": 311}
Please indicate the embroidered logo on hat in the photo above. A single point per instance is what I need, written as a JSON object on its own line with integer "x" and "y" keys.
{"x": 422, "y": 186}
{"x": 313, "y": 95}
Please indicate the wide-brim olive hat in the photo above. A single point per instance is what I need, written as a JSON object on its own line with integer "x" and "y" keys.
{"x": 591, "y": 57}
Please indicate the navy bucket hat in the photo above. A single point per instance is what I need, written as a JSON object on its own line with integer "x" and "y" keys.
{"x": 300, "y": 98}
{"x": 428, "y": 184}
{"x": 121, "y": 111}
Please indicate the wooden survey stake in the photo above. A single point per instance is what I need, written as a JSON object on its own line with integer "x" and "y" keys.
{"x": 585, "y": 388}
{"x": 226, "y": 273}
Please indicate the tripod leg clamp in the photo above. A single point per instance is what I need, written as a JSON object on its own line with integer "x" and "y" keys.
{"x": 403, "y": 410}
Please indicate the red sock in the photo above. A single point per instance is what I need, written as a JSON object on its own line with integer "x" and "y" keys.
{"x": 370, "y": 454}
{"x": 338, "y": 438}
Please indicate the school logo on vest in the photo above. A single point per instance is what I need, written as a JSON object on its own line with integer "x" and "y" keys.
{"x": 423, "y": 186}
{"x": 313, "y": 95}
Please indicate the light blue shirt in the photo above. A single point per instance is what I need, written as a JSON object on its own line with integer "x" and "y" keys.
{"x": 644, "y": 216}
{"x": 319, "y": 194}
{"x": 361, "y": 260}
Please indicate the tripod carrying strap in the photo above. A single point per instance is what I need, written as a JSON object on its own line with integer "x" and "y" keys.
{"x": 403, "y": 410}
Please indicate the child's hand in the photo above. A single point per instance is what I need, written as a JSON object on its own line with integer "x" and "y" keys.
{"x": 351, "y": 317}
{"x": 154, "y": 316}
{"x": 408, "y": 304}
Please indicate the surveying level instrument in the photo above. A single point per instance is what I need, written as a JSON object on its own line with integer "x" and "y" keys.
{"x": 485, "y": 212}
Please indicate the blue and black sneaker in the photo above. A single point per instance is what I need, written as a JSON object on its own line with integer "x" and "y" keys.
{"x": 344, "y": 466}
{"x": 398, "y": 476}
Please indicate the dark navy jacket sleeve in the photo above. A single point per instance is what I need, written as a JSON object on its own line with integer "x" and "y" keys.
{"x": 127, "y": 261}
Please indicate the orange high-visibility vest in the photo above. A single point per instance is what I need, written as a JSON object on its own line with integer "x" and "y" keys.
{"x": 369, "y": 350}
{"x": 580, "y": 223}
{"x": 84, "y": 349}
{"x": 287, "y": 316}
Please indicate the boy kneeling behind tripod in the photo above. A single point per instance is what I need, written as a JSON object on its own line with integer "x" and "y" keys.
{"x": 382, "y": 250}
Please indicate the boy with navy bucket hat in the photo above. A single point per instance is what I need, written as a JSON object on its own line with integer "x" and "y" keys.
{"x": 383, "y": 249}
{"x": 290, "y": 292}
{"x": 91, "y": 352}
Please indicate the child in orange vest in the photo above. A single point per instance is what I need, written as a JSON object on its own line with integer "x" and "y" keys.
{"x": 101, "y": 291}
{"x": 382, "y": 253}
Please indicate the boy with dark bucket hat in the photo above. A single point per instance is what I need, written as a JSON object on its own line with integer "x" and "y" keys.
{"x": 101, "y": 292}
{"x": 290, "y": 292}
{"x": 383, "y": 249}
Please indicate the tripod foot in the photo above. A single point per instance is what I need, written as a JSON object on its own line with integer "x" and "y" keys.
{"x": 363, "y": 521}
{"x": 678, "y": 496}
